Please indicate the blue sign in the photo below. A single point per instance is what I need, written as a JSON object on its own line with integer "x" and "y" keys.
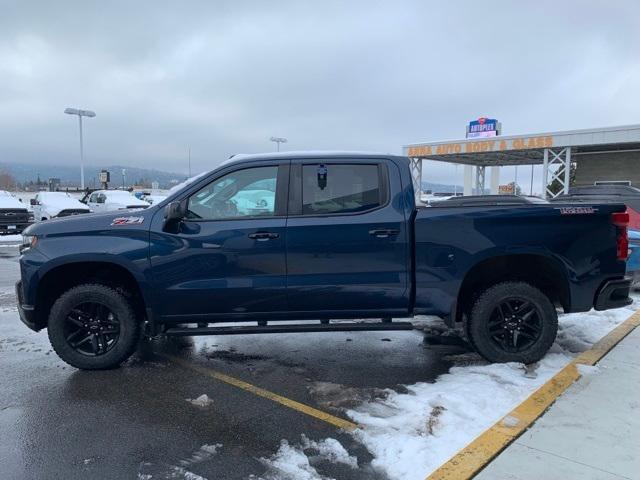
{"x": 483, "y": 127}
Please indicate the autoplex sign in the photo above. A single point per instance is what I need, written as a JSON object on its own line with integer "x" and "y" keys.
{"x": 481, "y": 146}
{"x": 482, "y": 127}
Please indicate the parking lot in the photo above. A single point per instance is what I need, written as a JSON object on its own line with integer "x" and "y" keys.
{"x": 334, "y": 405}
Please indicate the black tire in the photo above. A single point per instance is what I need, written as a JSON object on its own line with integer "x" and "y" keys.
{"x": 74, "y": 308}
{"x": 499, "y": 331}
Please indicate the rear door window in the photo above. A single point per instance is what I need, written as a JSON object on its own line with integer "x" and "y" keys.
{"x": 340, "y": 188}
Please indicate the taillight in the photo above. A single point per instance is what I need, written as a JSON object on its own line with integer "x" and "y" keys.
{"x": 621, "y": 221}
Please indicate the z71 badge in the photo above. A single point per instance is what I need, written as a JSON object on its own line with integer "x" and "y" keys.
{"x": 127, "y": 221}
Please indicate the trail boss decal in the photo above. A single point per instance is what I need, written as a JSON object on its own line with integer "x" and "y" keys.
{"x": 127, "y": 221}
{"x": 577, "y": 210}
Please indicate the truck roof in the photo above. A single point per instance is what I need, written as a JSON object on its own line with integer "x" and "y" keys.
{"x": 315, "y": 154}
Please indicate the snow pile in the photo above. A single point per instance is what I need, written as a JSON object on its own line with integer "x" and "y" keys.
{"x": 410, "y": 435}
{"x": 202, "y": 401}
{"x": 292, "y": 463}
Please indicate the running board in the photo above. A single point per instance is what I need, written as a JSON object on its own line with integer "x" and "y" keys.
{"x": 300, "y": 328}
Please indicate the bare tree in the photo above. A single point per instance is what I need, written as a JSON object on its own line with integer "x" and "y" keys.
{"x": 7, "y": 182}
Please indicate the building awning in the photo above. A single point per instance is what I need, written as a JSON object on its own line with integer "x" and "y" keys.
{"x": 526, "y": 149}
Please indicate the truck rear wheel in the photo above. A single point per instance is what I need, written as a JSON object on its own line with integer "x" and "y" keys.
{"x": 512, "y": 322}
{"x": 93, "y": 327}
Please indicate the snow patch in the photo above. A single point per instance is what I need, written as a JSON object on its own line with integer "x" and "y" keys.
{"x": 587, "y": 369}
{"x": 205, "y": 452}
{"x": 202, "y": 401}
{"x": 181, "y": 471}
{"x": 293, "y": 463}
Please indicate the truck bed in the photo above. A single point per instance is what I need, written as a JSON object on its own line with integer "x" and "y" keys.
{"x": 577, "y": 243}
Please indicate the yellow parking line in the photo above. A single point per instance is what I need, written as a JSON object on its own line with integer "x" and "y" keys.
{"x": 473, "y": 458}
{"x": 261, "y": 392}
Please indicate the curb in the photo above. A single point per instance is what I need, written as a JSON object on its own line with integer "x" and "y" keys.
{"x": 477, "y": 454}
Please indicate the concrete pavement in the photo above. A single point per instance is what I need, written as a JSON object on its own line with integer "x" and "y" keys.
{"x": 592, "y": 432}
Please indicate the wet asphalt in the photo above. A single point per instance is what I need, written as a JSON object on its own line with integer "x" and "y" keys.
{"x": 135, "y": 421}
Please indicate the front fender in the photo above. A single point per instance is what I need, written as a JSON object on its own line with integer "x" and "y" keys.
{"x": 129, "y": 252}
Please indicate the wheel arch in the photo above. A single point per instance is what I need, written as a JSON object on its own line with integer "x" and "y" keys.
{"x": 61, "y": 277}
{"x": 542, "y": 271}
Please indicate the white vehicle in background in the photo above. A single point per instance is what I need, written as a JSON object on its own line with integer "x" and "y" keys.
{"x": 109, "y": 200}
{"x": 47, "y": 205}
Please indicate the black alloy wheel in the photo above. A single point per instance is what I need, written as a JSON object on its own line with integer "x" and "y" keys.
{"x": 92, "y": 329}
{"x": 512, "y": 321}
{"x": 515, "y": 325}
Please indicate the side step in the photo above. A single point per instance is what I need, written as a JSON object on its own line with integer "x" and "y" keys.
{"x": 300, "y": 328}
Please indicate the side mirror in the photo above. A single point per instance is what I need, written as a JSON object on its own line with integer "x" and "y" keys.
{"x": 174, "y": 212}
{"x": 33, "y": 202}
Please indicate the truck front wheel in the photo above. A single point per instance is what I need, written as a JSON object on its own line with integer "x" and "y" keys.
{"x": 93, "y": 327}
{"x": 512, "y": 322}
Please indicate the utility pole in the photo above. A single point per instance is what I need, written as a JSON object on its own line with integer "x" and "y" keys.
{"x": 189, "y": 162}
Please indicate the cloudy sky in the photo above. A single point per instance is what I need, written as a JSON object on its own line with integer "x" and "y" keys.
{"x": 222, "y": 77}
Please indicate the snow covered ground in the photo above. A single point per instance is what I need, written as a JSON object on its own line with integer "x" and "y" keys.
{"x": 411, "y": 434}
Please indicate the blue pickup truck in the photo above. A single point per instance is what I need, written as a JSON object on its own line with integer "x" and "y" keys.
{"x": 316, "y": 238}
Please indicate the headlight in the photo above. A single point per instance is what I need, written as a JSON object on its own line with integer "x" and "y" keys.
{"x": 28, "y": 241}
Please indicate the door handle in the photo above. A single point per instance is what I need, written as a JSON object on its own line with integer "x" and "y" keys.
{"x": 384, "y": 232}
{"x": 262, "y": 236}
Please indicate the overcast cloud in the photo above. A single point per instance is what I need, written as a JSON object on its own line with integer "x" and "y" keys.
{"x": 222, "y": 77}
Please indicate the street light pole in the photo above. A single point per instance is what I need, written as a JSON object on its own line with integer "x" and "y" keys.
{"x": 278, "y": 141}
{"x": 80, "y": 114}
{"x": 81, "y": 155}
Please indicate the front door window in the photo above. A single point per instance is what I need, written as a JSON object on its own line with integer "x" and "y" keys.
{"x": 246, "y": 193}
